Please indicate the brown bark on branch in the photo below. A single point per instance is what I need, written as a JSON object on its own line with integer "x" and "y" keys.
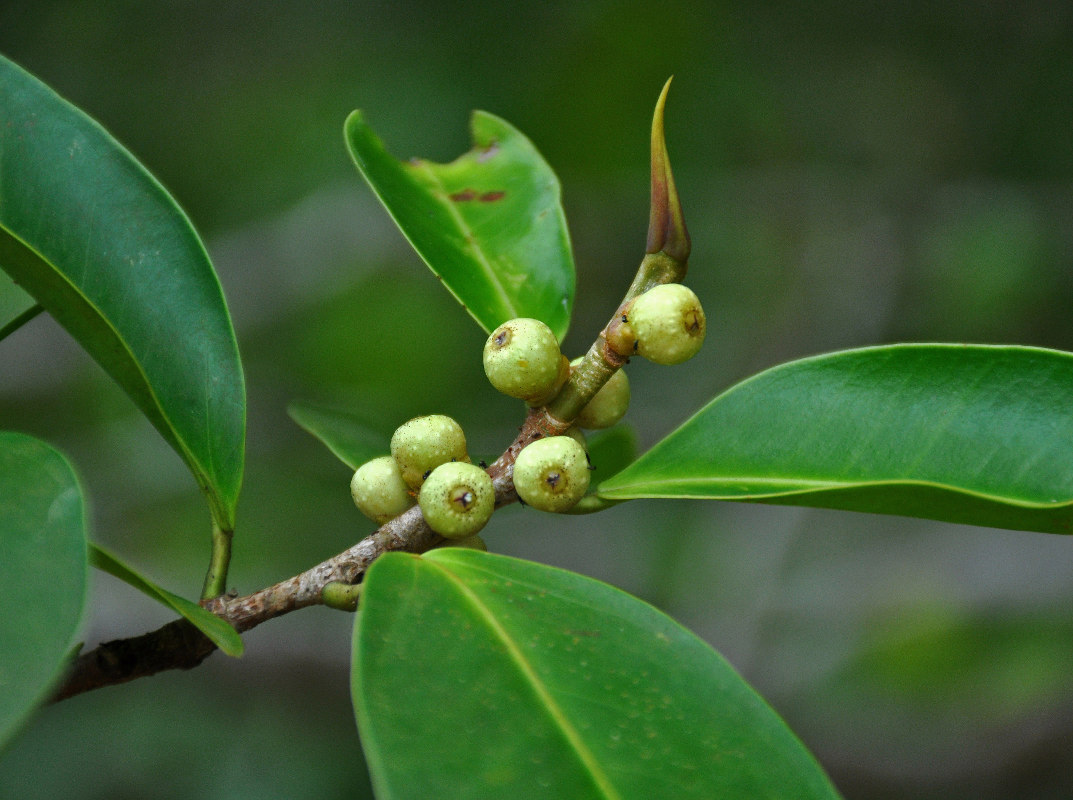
{"x": 179, "y": 645}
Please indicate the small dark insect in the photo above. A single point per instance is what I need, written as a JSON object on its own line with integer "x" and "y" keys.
{"x": 482, "y": 464}
{"x": 427, "y": 473}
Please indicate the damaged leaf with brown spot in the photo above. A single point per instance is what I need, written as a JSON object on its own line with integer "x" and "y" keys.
{"x": 489, "y": 224}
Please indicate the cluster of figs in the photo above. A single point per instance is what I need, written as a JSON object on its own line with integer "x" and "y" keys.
{"x": 429, "y": 462}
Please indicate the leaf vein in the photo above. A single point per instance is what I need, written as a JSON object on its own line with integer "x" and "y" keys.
{"x": 560, "y": 719}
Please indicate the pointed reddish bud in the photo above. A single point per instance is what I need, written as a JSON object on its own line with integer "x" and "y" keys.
{"x": 666, "y": 225}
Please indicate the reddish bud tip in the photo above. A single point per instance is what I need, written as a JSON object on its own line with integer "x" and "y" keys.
{"x": 666, "y": 225}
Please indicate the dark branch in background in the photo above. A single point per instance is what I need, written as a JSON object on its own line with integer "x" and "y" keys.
{"x": 179, "y": 645}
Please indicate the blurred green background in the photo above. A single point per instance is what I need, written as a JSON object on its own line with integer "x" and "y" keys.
{"x": 852, "y": 174}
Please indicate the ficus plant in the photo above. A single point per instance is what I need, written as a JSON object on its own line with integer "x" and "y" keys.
{"x": 475, "y": 674}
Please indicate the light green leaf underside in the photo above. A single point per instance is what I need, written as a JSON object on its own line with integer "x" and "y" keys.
{"x": 42, "y": 573}
{"x": 975, "y": 434}
{"x": 96, "y": 240}
{"x": 219, "y": 631}
{"x": 478, "y": 675}
{"x": 489, "y": 224}
{"x": 351, "y": 439}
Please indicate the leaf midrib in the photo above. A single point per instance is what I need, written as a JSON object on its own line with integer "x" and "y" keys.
{"x": 807, "y": 485}
{"x": 569, "y": 732}
{"x": 151, "y": 406}
{"x": 478, "y": 252}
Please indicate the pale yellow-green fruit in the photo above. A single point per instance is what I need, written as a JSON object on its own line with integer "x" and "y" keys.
{"x": 522, "y": 359}
{"x": 423, "y": 443}
{"x": 457, "y": 500}
{"x": 608, "y": 406}
{"x": 379, "y": 491}
{"x": 668, "y": 322}
{"x": 578, "y": 436}
{"x": 552, "y": 474}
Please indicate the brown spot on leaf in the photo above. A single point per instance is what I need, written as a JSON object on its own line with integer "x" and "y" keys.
{"x": 491, "y": 197}
{"x": 464, "y": 196}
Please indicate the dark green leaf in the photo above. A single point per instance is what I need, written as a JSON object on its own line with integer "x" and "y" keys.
{"x": 14, "y": 305}
{"x": 219, "y": 631}
{"x": 611, "y": 450}
{"x": 42, "y": 573}
{"x": 489, "y": 223}
{"x": 974, "y": 434}
{"x": 351, "y": 439}
{"x": 103, "y": 247}
{"x": 956, "y": 664}
{"x": 477, "y": 675}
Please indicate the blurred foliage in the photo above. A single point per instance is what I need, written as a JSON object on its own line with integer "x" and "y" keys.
{"x": 851, "y": 174}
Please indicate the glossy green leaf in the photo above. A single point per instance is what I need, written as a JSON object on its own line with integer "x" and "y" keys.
{"x": 350, "y": 438}
{"x": 611, "y": 450}
{"x": 489, "y": 223}
{"x": 102, "y": 246}
{"x": 477, "y": 675}
{"x": 973, "y": 434}
{"x": 42, "y": 573}
{"x": 14, "y": 305}
{"x": 218, "y": 630}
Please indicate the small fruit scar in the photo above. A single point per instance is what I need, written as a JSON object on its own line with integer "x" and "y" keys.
{"x": 463, "y": 499}
{"x": 552, "y": 479}
{"x": 692, "y": 322}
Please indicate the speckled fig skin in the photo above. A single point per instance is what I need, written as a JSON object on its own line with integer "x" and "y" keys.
{"x": 423, "y": 443}
{"x": 668, "y": 322}
{"x": 552, "y": 474}
{"x": 457, "y": 500}
{"x": 379, "y": 491}
{"x": 608, "y": 406}
{"x": 522, "y": 359}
